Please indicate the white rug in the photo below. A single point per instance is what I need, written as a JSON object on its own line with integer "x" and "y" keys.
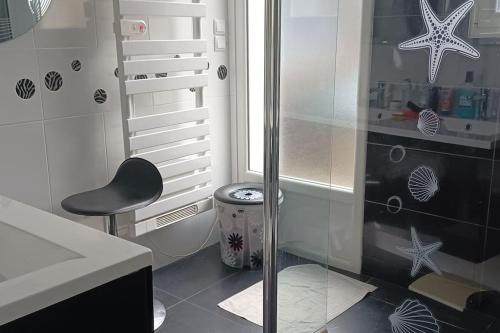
{"x": 309, "y": 296}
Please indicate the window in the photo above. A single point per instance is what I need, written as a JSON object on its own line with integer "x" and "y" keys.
{"x": 317, "y": 148}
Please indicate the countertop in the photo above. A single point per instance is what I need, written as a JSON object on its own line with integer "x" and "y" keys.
{"x": 88, "y": 258}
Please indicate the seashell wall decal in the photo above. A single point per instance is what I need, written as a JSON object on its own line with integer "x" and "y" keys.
{"x": 428, "y": 122}
{"x": 423, "y": 184}
{"x": 413, "y": 317}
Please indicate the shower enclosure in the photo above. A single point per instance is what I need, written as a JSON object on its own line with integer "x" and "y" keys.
{"x": 381, "y": 127}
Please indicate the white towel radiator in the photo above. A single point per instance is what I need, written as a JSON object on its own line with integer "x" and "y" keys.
{"x": 177, "y": 142}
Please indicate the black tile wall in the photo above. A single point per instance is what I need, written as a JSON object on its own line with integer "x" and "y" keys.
{"x": 464, "y": 214}
{"x": 463, "y": 182}
{"x": 385, "y": 232}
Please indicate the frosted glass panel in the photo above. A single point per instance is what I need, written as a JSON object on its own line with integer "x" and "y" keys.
{"x": 309, "y": 133}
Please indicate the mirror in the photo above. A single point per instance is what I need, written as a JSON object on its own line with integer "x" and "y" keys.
{"x": 19, "y": 16}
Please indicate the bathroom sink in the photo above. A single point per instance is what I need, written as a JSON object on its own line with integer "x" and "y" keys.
{"x": 46, "y": 259}
{"x": 22, "y": 253}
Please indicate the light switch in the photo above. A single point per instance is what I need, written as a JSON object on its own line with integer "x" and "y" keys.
{"x": 220, "y": 43}
{"x": 133, "y": 27}
{"x": 219, "y": 27}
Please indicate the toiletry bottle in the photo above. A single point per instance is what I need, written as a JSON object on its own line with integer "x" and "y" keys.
{"x": 381, "y": 87}
{"x": 445, "y": 105}
{"x": 433, "y": 98}
{"x": 465, "y": 98}
{"x": 482, "y": 104}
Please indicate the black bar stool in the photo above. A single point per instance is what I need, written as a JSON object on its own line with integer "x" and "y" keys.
{"x": 137, "y": 184}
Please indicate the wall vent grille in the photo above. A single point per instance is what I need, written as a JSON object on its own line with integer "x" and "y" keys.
{"x": 176, "y": 216}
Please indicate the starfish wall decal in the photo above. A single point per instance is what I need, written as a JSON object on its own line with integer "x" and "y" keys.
{"x": 421, "y": 254}
{"x": 440, "y": 37}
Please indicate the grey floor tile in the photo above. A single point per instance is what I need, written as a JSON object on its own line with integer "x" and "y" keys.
{"x": 165, "y": 298}
{"x": 188, "y": 318}
{"x": 224, "y": 289}
{"x": 369, "y": 315}
{"x": 192, "y": 275}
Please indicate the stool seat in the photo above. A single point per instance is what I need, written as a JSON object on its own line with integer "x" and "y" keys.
{"x": 108, "y": 200}
{"x": 137, "y": 184}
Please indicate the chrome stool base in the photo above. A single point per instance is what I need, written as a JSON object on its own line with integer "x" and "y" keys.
{"x": 160, "y": 313}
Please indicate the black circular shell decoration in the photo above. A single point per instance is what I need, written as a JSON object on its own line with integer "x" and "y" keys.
{"x": 53, "y": 81}
{"x": 25, "y": 88}
{"x": 100, "y": 96}
{"x": 116, "y": 72}
{"x": 76, "y": 65}
{"x": 222, "y": 72}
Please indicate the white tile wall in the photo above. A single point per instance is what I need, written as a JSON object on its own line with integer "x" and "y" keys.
{"x": 23, "y": 164}
{"x": 67, "y": 24}
{"x": 76, "y": 151}
{"x": 15, "y": 65}
{"x": 60, "y": 143}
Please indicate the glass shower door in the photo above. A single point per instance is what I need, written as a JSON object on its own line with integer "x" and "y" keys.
{"x": 431, "y": 182}
{"x": 307, "y": 76}
{"x": 417, "y": 155}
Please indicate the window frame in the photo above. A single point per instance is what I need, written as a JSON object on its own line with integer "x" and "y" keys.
{"x": 350, "y": 11}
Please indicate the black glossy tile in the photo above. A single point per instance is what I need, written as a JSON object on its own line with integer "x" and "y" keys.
{"x": 464, "y": 183}
{"x": 490, "y": 279}
{"x": 188, "y": 318}
{"x": 408, "y": 7}
{"x": 396, "y": 295}
{"x": 387, "y": 267}
{"x": 165, "y": 298}
{"x": 223, "y": 290}
{"x": 384, "y": 231}
{"x": 396, "y": 8}
{"x": 494, "y": 328}
{"x": 428, "y": 144}
{"x": 192, "y": 275}
{"x": 492, "y": 248}
{"x": 408, "y": 26}
{"x": 494, "y": 220}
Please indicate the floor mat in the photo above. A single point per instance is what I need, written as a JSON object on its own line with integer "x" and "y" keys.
{"x": 309, "y": 296}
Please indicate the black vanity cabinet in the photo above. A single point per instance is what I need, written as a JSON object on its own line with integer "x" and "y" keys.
{"x": 122, "y": 305}
{"x": 459, "y": 215}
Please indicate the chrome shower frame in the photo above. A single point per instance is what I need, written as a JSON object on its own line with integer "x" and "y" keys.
{"x": 271, "y": 161}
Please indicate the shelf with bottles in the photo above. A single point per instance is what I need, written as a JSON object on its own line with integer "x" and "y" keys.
{"x": 465, "y": 101}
